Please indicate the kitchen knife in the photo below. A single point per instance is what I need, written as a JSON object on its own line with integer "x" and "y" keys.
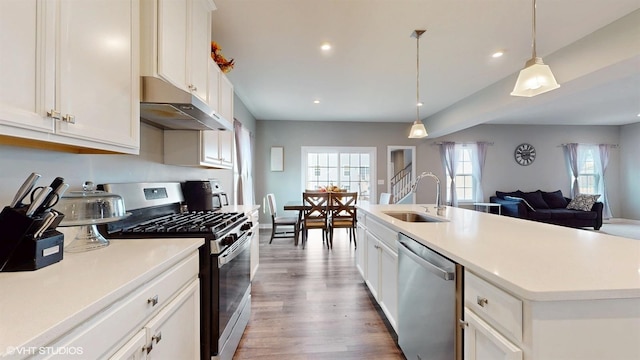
{"x": 57, "y": 182}
{"x": 48, "y": 219}
{"x": 26, "y": 188}
{"x": 58, "y": 194}
{"x": 38, "y": 200}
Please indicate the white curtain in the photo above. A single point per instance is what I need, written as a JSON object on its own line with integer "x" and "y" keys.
{"x": 601, "y": 168}
{"x": 244, "y": 178}
{"x": 479, "y": 153}
{"x": 449, "y": 163}
{"x": 571, "y": 153}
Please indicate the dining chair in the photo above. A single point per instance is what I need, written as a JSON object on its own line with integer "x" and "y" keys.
{"x": 281, "y": 226}
{"x": 343, "y": 214}
{"x": 385, "y": 199}
{"x": 315, "y": 214}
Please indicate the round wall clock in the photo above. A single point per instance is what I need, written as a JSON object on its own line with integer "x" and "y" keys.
{"x": 525, "y": 154}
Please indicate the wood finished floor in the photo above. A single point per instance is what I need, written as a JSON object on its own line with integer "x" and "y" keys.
{"x": 313, "y": 304}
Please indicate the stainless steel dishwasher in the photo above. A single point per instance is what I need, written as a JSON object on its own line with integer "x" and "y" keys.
{"x": 429, "y": 303}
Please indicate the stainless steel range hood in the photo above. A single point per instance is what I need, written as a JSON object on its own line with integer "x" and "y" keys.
{"x": 168, "y": 107}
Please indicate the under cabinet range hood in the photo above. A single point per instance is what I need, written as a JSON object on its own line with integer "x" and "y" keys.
{"x": 168, "y": 107}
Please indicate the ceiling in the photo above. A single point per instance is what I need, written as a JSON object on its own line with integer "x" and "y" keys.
{"x": 370, "y": 72}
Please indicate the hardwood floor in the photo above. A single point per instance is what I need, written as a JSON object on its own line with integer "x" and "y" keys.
{"x": 313, "y": 304}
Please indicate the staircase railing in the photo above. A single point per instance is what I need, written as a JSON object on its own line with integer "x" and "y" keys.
{"x": 401, "y": 183}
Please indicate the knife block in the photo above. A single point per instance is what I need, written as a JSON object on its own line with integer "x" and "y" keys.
{"x": 19, "y": 249}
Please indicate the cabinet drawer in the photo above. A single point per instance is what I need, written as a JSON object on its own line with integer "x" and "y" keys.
{"x": 493, "y": 305}
{"x": 99, "y": 334}
{"x": 360, "y": 217}
{"x": 383, "y": 233}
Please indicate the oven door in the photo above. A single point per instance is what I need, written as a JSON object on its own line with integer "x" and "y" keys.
{"x": 234, "y": 271}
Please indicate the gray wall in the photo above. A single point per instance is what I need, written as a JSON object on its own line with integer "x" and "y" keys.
{"x": 548, "y": 172}
{"x": 630, "y": 171}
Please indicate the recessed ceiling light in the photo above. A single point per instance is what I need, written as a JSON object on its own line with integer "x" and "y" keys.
{"x": 325, "y": 46}
{"x": 420, "y": 103}
{"x": 638, "y": 114}
{"x": 316, "y": 101}
{"x": 497, "y": 54}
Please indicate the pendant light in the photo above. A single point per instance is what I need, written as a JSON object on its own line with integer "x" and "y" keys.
{"x": 536, "y": 77}
{"x": 417, "y": 129}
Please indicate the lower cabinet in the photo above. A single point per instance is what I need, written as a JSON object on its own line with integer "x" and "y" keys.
{"x": 482, "y": 342}
{"x": 159, "y": 320}
{"x": 379, "y": 265}
{"x": 255, "y": 243}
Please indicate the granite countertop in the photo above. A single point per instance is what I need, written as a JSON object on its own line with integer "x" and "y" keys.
{"x": 36, "y": 307}
{"x": 533, "y": 260}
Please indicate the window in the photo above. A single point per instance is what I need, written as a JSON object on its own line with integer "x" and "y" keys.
{"x": 587, "y": 173}
{"x": 348, "y": 168}
{"x": 464, "y": 175}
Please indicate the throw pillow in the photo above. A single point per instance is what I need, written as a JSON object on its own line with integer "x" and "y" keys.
{"x": 583, "y": 202}
{"x": 535, "y": 199}
{"x": 555, "y": 199}
{"x": 502, "y": 194}
{"x": 515, "y": 198}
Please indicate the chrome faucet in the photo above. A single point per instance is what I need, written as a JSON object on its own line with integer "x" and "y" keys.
{"x": 414, "y": 187}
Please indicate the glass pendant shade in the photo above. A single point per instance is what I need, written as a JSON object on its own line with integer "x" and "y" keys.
{"x": 417, "y": 130}
{"x": 536, "y": 78}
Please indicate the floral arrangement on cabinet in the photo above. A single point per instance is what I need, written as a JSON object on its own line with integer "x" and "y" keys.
{"x": 216, "y": 54}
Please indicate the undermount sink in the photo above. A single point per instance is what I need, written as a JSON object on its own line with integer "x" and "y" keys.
{"x": 412, "y": 216}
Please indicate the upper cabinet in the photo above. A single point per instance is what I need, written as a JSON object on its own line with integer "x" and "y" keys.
{"x": 176, "y": 42}
{"x": 69, "y": 73}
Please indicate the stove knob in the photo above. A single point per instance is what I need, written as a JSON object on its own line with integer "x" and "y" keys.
{"x": 229, "y": 239}
{"x": 246, "y": 226}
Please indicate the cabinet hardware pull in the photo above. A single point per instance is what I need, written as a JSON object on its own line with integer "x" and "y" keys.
{"x": 153, "y": 300}
{"x": 463, "y": 324}
{"x": 54, "y": 114}
{"x": 149, "y": 348}
{"x": 157, "y": 338}
{"x": 69, "y": 119}
{"x": 193, "y": 87}
{"x": 482, "y": 301}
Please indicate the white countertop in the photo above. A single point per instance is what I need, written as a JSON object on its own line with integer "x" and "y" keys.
{"x": 38, "y": 306}
{"x": 533, "y": 260}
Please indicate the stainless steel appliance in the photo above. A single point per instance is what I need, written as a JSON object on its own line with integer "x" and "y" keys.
{"x": 204, "y": 194}
{"x": 157, "y": 211}
{"x": 430, "y": 303}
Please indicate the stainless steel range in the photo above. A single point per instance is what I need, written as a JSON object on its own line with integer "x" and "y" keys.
{"x": 158, "y": 211}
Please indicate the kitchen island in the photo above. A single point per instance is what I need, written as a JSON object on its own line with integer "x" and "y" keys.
{"x": 561, "y": 293}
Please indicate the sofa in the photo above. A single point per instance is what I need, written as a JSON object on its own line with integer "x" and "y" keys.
{"x": 551, "y": 207}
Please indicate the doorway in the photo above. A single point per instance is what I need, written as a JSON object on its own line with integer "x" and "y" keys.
{"x": 401, "y": 172}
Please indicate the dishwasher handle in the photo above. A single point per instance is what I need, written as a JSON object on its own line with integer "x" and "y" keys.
{"x": 434, "y": 269}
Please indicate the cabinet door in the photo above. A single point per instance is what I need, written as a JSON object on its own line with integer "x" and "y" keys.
{"x": 172, "y": 42}
{"x": 175, "y": 332}
{"x": 255, "y": 249}
{"x": 226, "y": 98}
{"x": 26, "y": 36}
{"x": 389, "y": 283}
{"x": 213, "y": 95}
{"x": 134, "y": 349}
{"x": 210, "y": 148}
{"x": 373, "y": 267}
{"x": 199, "y": 47}
{"x": 482, "y": 342}
{"x": 361, "y": 250}
{"x": 97, "y": 89}
{"x": 225, "y": 147}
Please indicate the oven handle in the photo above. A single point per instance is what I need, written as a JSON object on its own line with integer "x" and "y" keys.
{"x": 227, "y": 257}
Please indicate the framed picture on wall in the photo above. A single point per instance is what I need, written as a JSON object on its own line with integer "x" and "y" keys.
{"x": 277, "y": 158}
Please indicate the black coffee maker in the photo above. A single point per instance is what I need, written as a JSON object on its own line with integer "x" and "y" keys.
{"x": 204, "y": 195}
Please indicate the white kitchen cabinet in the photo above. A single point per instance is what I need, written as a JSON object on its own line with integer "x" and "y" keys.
{"x": 361, "y": 249}
{"x": 226, "y": 98}
{"x": 175, "y": 332}
{"x": 255, "y": 243}
{"x": 380, "y": 266}
{"x": 134, "y": 349}
{"x": 482, "y": 342}
{"x": 166, "y": 308}
{"x": 70, "y": 74}
{"x": 199, "y": 148}
{"x": 176, "y": 42}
